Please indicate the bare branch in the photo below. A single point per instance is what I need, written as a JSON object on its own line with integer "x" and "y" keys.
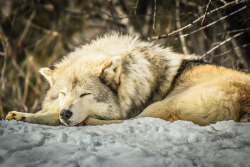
{"x": 223, "y": 1}
{"x": 230, "y": 50}
{"x": 234, "y": 31}
{"x": 198, "y": 19}
{"x": 6, "y": 47}
{"x": 222, "y": 18}
{"x": 178, "y": 25}
{"x": 26, "y": 81}
{"x": 154, "y": 17}
{"x": 126, "y": 22}
{"x": 28, "y": 25}
{"x": 205, "y": 17}
{"x": 136, "y": 6}
{"x": 222, "y": 43}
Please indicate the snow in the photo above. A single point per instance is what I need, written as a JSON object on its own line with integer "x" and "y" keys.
{"x": 145, "y": 142}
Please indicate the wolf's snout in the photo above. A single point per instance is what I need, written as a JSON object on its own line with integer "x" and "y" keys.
{"x": 65, "y": 114}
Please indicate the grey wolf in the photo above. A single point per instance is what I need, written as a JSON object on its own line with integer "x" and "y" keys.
{"x": 118, "y": 77}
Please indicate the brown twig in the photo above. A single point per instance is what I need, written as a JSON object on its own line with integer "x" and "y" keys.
{"x": 230, "y": 50}
{"x": 26, "y": 82}
{"x": 154, "y": 17}
{"x": 28, "y": 25}
{"x": 205, "y": 17}
{"x": 222, "y": 18}
{"x": 223, "y": 1}
{"x": 222, "y": 43}
{"x": 233, "y": 31}
{"x": 136, "y": 6}
{"x": 178, "y": 25}
{"x": 198, "y": 19}
{"x": 17, "y": 67}
{"x": 28, "y": 71}
{"x": 6, "y": 47}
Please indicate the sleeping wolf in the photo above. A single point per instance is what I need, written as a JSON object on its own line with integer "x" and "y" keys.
{"x": 118, "y": 77}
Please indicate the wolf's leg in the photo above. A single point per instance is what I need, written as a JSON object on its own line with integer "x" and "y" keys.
{"x": 46, "y": 118}
{"x": 94, "y": 122}
{"x": 202, "y": 104}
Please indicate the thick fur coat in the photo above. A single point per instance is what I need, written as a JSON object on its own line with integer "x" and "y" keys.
{"x": 118, "y": 77}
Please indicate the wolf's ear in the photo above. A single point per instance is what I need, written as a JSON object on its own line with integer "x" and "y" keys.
{"x": 48, "y": 74}
{"x": 111, "y": 71}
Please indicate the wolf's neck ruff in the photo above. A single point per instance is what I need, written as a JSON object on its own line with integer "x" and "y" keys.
{"x": 143, "y": 79}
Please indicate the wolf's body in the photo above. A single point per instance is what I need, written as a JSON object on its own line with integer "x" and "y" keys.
{"x": 120, "y": 77}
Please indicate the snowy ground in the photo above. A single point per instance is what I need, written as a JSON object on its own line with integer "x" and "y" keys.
{"x": 142, "y": 142}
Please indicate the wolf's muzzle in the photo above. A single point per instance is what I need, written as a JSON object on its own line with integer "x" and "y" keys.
{"x": 65, "y": 114}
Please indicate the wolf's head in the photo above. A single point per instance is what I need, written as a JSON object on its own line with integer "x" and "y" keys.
{"x": 86, "y": 89}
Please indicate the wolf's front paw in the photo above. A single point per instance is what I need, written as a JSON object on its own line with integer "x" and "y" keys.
{"x": 19, "y": 116}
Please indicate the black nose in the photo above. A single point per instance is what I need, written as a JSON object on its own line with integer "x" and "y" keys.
{"x": 66, "y": 114}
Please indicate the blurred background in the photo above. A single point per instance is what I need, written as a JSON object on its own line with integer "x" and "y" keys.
{"x": 36, "y": 33}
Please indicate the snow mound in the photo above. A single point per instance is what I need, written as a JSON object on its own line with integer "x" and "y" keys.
{"x": 144, "y": 142}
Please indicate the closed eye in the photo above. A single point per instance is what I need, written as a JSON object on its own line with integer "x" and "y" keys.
{"x": 84, "y": 94}
{"x": 62, "y": 93}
